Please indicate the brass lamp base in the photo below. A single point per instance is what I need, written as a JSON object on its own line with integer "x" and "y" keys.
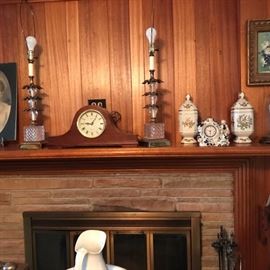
{"x": 154, "y": 142}
{"x": 154, "y": 135}
{"x": 31, "y": 145}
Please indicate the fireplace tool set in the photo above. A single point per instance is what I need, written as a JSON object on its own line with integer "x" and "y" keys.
{"x": 226, "y": 248}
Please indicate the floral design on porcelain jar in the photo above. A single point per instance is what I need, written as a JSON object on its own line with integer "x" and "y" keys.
{"x": 242, "y": 120}
{"x": 188, "y": 121}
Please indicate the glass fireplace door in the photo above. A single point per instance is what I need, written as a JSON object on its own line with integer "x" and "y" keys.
{"x": 150, "y": 250}
{"x": 135, "y": 240}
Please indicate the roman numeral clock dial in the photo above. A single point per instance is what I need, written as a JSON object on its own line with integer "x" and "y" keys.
{"x": 91, "y": 123}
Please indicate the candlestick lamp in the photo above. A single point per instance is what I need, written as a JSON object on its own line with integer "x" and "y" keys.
{"x": 154, "y": 132}
{"x": 34, "y": 133}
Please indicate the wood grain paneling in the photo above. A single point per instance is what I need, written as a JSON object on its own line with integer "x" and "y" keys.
{"x": 73, "y": 53}
{"x": 217, "y": 77}
{"x": 120, "y": 73}
{"x": 98, "y": 49}
{"x": 203, "y": 39}
{"x": 184, "y": 55}
{"x": 59, "y": 90}
{"x": 137, "y": 64}
{"x": 95, "y": 50}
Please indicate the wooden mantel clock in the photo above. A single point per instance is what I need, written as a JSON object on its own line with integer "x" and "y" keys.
{"x": 93, "y": 126}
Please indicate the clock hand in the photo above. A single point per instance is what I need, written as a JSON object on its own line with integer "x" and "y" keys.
{"x": 92, "y": 123}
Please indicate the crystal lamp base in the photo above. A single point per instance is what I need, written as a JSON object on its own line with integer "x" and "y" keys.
{"x": 33, "y": 137}
{"x": 34, "y": 133}
{"x": 154, "y": 135}
{"x": 154, "y": 131}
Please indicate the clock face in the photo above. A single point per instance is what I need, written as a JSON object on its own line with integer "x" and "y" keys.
{"x": 91, "y": 123}
{"x": 210, "y": 131}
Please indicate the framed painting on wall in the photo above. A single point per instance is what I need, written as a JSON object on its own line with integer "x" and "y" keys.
{"x": 8, "y": 102}
{"x": 258, "y": 52}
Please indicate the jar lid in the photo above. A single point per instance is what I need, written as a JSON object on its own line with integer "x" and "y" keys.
{"x": 188, "y": 105}
{"x": 242, "y": 102}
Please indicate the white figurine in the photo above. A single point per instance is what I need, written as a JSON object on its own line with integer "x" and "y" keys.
{"x": 89, "y": 248}
{"x": 224, "y": 134}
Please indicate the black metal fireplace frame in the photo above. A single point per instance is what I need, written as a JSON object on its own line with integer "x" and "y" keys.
{"x": 117, "y": 221}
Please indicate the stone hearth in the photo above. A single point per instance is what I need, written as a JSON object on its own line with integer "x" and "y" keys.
{"x": 209, "y": 193}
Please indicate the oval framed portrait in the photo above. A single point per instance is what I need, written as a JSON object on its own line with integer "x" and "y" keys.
{"x": 8, "y": 102}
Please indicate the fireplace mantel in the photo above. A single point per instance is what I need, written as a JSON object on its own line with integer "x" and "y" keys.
{"x": 249, "y": 165}
{"x": 124, "y": 158}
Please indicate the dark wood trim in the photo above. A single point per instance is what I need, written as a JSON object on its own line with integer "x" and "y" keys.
{"x": 128, "y": 164}
{"x": 12, "y": 152}
{"x": 244, "y": 213}
{"x": 84, "y": 160}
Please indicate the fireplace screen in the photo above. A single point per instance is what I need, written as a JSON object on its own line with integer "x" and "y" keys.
{"x": 135, "y": 240}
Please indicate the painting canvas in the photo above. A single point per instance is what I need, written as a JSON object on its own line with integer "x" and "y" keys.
{"x": 264, "y": 52}
{"x": 8, "y": 102}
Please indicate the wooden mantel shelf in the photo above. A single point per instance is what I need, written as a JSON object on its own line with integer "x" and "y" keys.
{"x": 254, "y": 150}
{"x": 13, "y": 160}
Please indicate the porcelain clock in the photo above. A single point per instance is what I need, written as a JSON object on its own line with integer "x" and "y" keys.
{"x": 211, "y": 133}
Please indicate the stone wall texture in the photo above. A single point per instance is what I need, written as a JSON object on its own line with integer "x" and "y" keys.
{"x": 211, "y": 194}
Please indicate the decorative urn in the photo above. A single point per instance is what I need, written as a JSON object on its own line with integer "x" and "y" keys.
{"x": 242, "y": 120}
{"x": 188, "y": 121}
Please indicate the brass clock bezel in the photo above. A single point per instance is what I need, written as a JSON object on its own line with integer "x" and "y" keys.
{"x": 89, "y": 111}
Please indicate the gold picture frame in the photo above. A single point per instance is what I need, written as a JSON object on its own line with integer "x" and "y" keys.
{"x": 258, "y": 52}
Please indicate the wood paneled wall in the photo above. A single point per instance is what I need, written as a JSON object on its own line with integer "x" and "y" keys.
{"x": 98, "y": 49}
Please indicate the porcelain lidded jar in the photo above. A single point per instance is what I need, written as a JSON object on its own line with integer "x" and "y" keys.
{"x": 188, "y": 121}
{"x": 242, "y": 120}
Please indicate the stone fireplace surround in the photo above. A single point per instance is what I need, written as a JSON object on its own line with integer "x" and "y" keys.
{"x": 97, "y": 181}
